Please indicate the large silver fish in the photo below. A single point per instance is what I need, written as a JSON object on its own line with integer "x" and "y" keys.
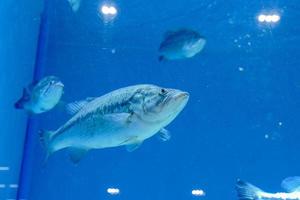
{"x": 247, "y": 191}
{"x": 180, "y": 44}
{"x": 42, "y": 96}
{"x": 124, "y": 117}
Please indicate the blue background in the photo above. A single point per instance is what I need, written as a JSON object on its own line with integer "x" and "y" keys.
{"x": 221, "y": 134}
{"x": 19, "y": 22}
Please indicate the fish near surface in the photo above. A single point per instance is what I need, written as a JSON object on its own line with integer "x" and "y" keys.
{"x": 247, "y": 191}
{"x": 180, "y": 44}
{"x": 42, "y": 96}
{"x": 124, "y": 117}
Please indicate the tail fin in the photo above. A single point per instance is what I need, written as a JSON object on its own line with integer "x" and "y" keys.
{"x": 247, "y": 191}
{"x": 19, "y": 104}
{"x": 25, "y": 98}
{"x": 45, "y": 138}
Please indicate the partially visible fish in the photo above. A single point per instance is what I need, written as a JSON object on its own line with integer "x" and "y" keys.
{"x": 42, "y": 96}
{"x": 181, "y": 44}
{"x": 247, "y": 191}
{"x": 124, "y": 117}
{"x": 75, "y": 4}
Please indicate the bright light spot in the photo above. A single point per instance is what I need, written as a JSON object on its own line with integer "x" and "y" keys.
{"x": 198, "y": 192}
{"x": 13, "y": 185}
{"x": 4, "y": 168}
{"x": 113, "y": 191}
{"x": 268, "y": 18}
{"x": 241, "y": 69}
{"x": 113, "y": 10}
{"x": 267, "y": 136}
{"x": 275, "y": 18}
{"x": 105, "y": 10}
{"x": 261, "y": 18}
{"x": 2, "y": 185}
{"x": 108, "y": 10}
{"x": 280, "y": 123}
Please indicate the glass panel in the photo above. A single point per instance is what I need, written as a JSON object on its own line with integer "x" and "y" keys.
{"x": 238, "y": 60}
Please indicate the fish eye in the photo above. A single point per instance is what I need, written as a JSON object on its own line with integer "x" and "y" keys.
{"x": 163, "y": 91}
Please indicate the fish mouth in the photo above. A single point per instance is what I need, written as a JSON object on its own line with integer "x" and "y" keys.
{"x": 59, "y": 84}
{"x": 177, "y": 97}
{"x": 181, "y": 96}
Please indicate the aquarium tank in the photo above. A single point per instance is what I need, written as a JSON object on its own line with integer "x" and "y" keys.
{"x": 149, "y": 100}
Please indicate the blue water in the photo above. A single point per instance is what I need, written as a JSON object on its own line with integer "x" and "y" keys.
{"x": 242, "y": 119}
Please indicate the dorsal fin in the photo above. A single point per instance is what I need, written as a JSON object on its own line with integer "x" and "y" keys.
{"x": 73, "y": 108}
{"x": 291, "y": 184}
{"x": 169, "y": 34}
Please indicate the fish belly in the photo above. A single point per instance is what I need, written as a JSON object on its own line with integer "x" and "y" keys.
{"x": 96, "y": 134}
{"x": 133, "y": 133}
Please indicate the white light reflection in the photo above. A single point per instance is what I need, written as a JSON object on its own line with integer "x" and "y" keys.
{"x": 4, "y": 168}
{"x": 268, "y": 18}
{"x": 261, "y": 18}
{"x": 113, "y": 191}
{"x": 275, "y": 18}
{"x": 241, "y": 69}
{"x": 13, "y": 185}
{"x": 198, "y": 192}
{"x": 109, "y": 10}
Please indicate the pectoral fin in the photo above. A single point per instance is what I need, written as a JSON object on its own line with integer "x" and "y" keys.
{"x": 76, "y": 154}
{"x": 118, "y": 118}
{"x": 134, "y": 146}
{"x": 164, "y": 135}
{"x": 291, "y": 184}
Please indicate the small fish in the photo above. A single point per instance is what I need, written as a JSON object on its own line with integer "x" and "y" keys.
{"x": 180, "y": 44}
{"x": 246, "y": 191}
{"x": 124, "y": 117}
{"x": 42, "y": 96}
{"x": 75, "y": 4}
